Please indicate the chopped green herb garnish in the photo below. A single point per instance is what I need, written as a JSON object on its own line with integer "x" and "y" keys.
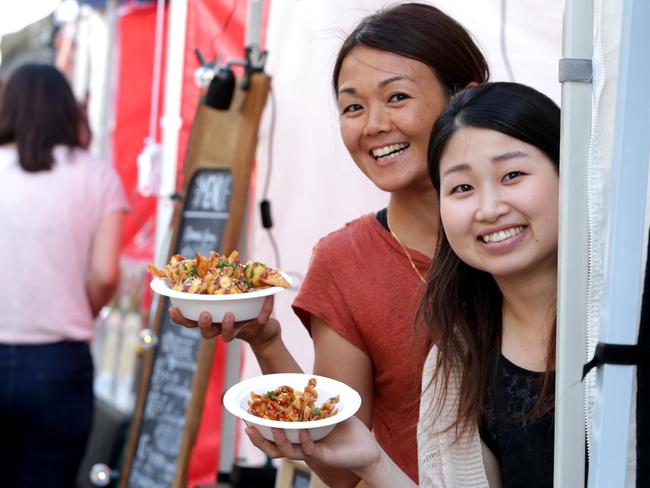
{"x": 315, "y": 411}
{"x": 195, "y": 270}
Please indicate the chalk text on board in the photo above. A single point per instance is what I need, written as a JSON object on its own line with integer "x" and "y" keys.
{"x": 212, "y": 192}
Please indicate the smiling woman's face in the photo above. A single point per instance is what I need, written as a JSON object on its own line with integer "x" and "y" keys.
{"x": 387, "y": 105}
{"x": 499, "y": 202}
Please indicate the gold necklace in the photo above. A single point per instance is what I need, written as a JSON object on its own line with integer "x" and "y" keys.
{"x": 408, "y": 255}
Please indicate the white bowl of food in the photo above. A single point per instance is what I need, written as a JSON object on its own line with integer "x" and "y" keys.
{"x": 323, "y": 412}
{"x": 217, "y": 284}
{"x": 244, "y": 306}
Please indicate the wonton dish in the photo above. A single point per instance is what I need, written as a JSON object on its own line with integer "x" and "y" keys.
{"x": 217, "y": 274}
{"x": 288, "y": 405}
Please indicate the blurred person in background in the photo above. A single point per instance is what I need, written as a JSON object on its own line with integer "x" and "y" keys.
{"x": 61, "y": 215}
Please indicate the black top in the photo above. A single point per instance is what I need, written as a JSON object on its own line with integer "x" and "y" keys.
{"x": 521, "y": 439}
{"x": 382, "y": 217}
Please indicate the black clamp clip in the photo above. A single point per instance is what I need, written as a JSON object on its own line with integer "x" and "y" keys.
{"x": 620, "y": 354}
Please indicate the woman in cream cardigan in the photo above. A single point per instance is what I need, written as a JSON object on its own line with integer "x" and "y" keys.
{"x": 487, "y": 407}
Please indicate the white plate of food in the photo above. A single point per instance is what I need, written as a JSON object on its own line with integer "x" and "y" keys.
{"x": 260, "y": 400}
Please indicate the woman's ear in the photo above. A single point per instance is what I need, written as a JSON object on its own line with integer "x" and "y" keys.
{"x": 471, "y": 84}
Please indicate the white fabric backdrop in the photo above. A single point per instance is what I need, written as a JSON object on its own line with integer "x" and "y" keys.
{"x": 314, "y": 186}
{"x": 607, "y": 42}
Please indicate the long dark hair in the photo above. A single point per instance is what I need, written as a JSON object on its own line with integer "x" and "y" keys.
{"x": 462, "y": 306}
{"x": 38, "y": 111}
{"x": 424, "y": 33}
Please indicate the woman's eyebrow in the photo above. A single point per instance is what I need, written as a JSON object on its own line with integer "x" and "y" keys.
{"x": 352, "y": 91}
{"x": 457, "y": 168}
{"x": 392, "y": 79}
{"x": 349, "y": 90}
{"x": 508, "y": 155}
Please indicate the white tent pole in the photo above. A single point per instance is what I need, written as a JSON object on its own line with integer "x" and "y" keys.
{"x": 106, "y": 115}
{"x": 171, "y": 124}
{"x": 623, "y": 279}
{"x": 572, "y": 250}
{"x": 81, "y": 66}
{"x": 254, "y": 17}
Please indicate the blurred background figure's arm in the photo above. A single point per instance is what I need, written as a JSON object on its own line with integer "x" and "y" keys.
{"x": 104, "y": 270}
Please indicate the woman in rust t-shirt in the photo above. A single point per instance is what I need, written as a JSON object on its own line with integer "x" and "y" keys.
{"x": 393, "y": 76}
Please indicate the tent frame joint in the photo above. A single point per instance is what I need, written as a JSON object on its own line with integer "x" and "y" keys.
{"x": 575, "y": 69}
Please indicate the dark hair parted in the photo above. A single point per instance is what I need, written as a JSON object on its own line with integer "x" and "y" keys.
{"x": 462, "y": 306}
{"x": 424, "y": 33}
{"x": 38, "y": 111}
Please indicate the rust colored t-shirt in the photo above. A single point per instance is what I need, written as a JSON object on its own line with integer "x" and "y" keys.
{"x": 361, "y": 284}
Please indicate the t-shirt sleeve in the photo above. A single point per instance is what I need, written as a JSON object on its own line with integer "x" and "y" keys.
{"x": 113, "y": 197}
{"x": 321, "y": 295}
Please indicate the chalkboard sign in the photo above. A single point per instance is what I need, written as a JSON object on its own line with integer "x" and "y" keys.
{"x": 205, "y": 212}
{"x": 168, "y": 394}
{"x": 163, "y": 418}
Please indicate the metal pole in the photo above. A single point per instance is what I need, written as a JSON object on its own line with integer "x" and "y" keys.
{"x": 106, "y": 116}
{"x": 254, "y": 17}
{"x": 171, "y": 123}
{"x": 253, "y": 34}
{"x": 572, "y": 252}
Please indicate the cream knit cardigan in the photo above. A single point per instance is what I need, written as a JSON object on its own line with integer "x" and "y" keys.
{"x": 444, "y": 461}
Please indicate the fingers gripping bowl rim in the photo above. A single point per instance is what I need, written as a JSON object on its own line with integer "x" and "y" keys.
{"x": 244, "y": 306}
{"x": 236, "y": 402}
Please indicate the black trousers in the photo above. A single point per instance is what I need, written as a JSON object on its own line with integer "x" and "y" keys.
{"x": 46, "y": 412}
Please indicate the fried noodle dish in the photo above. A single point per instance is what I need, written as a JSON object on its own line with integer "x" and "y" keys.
{"x": 289, "y": 405}
{"x": 217, "y": 274}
